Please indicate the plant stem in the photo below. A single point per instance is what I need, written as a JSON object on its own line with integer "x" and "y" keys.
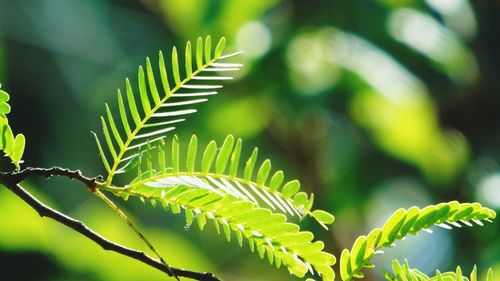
{"x": 11, "y": 181}
{"x": 133, "y": 227}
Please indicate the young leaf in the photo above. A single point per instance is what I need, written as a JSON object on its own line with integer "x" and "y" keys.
{"x": 224, "y": 154}
{"x": 411, "y": 217}
{"x": 161, "y": 156}
{"x": 187, "y": 60}
{"x": 163, "y": 75}
{"x": 208, "y": 157}
{"x": 7, "y": 138}
{"x": 473, "y": 274}
{"x": 4, "y": 97}
{"x": 208, "y": 49}
{"x": 175, "y": 67}
{"x": 345, "y": 265}
{"x": 4, "y": 108}
{"x": 123, "y": 114}
{"x": 263, "y": 172}
{"x": 391, "y": 227}
{"x": 199, "y": 52}
{"x": 108, "y": 138}
{"x": 276, "y": 180}
{"x": 425, "y": 215}
{"x": 18, "y": 150}
{"x": 250, "y": 164}
{"x": 290, "y": 188}
{"x": 191, "y": 155}
{"x": 131, "y": 104}
{"x": 323, "y": 217}
{"x": 300, "y": 199}
{"x": 358, "y": 251}
{"x": 101, "y": 152}
{"x": 458, "y": 273}
{"x": 490, "y": 275}
{"x": 175, "y": 154}
{"x": 112, "y": 124}
{"x": 219, "y": 49}
{"x": 235, "y": 159}
{"x": 152, "y": 83}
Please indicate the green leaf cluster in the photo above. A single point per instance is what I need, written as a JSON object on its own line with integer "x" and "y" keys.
{"x": 405, "y": 273}
{"x": 248, "y": 199}
{"x": 220, "y": 169}
{"x": 215, "y": 183}
{"x": 12, "y": 146}
{"x": 404, "y": 222}
{"x": 147, "y": 117}
{"x": 267, "y": 233}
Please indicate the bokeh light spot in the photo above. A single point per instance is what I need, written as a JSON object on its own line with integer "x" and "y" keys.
{"x": 310, "y": 73}
{"x": 254, "y": 38}
{"x": 488, "y": 190}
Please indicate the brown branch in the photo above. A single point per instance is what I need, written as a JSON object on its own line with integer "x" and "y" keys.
{"x": 18, "y": 177}
{"x": 12, "y": 182}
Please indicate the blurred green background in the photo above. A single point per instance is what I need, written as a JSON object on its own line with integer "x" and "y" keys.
{"x": 373, "y": 105}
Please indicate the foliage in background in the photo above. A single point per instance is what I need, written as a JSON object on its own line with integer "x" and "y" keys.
{"x": 238, "y": 201}
{"x": 11, "y": 145}
{"x": 320, "y": 124}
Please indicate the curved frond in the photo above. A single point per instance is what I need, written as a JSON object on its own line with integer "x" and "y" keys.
{"x": 220, "y": 170}
{"x": 12, "y": 146}
{"x": 404, "y": 222}
{"x": 267, "y": 233}
{"x": 147, "y": 116}
{"x": 404, "y": 272}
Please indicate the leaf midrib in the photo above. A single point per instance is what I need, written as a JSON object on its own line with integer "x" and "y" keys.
{"x": 214, "y": 175}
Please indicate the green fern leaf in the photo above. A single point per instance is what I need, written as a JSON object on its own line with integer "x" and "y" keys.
{"x": 280, "y": 241}
{"x": 12, "y": 146}
{"x": 410, "y": 221}
{"x": 255, "y": 189}
{"x": 404, "y": 272}
{"x": 153, "y": 115}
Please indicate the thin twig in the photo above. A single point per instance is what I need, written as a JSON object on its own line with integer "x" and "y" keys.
{"x": 124, "y": 217}
{"x": 12, "y": 180}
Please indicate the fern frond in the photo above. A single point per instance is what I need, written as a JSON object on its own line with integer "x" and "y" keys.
{"x": 155, "y": 114}
{"x": 13, "y": 147}
{"x": 404, "y": 222}
{"x": 267, "y": 233}
{"x": 404, "y": 272}
{"x": 219, "y": 172}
